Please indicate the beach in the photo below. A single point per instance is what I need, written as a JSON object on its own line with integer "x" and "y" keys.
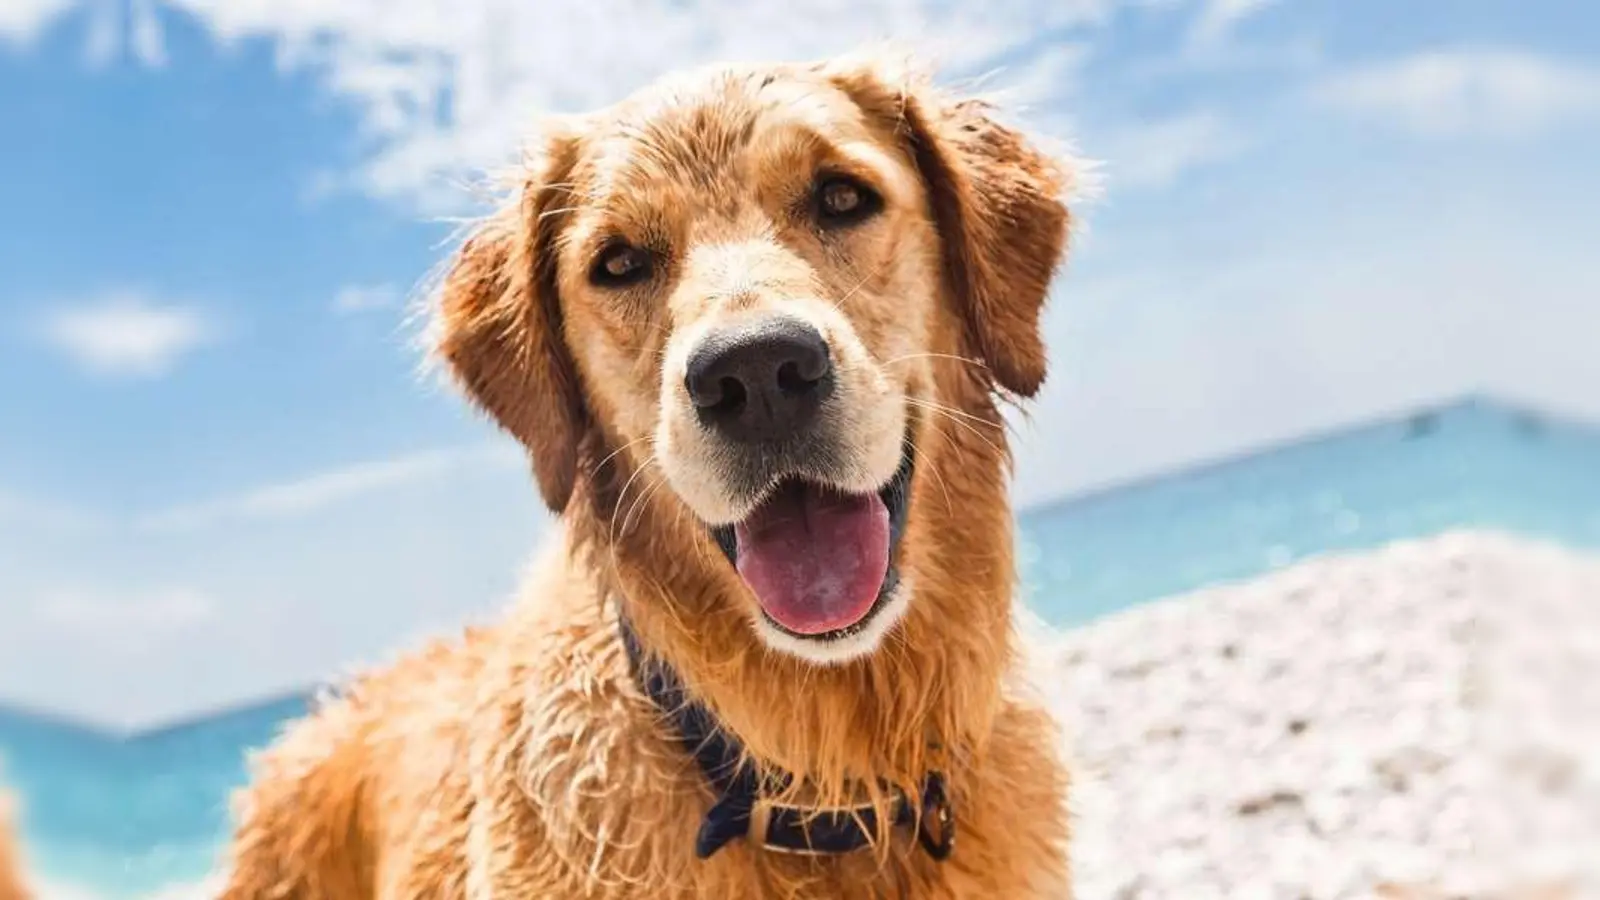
{"x": 1422, "y": 721}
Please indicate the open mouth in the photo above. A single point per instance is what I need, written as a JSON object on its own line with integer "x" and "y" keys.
{"x": 821, "y": 562}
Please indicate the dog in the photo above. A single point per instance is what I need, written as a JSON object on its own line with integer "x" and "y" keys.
{"x": 755, "y": 327}
{"x": 11, "y": 882}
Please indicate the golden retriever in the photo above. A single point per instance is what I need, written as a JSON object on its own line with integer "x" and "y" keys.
{"x": 754, "y": 326}
{"x": 11, "y": 885}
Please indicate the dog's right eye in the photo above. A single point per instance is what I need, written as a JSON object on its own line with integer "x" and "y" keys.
{"x": 620, "y": 265}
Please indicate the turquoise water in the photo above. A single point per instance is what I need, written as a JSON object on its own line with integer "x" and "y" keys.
{"x": 125, "y": 817}
{"x": 1471, "y": 464}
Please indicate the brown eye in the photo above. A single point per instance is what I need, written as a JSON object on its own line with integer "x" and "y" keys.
{"x": 842, "y": 200}
{"x": 620, "y": 265}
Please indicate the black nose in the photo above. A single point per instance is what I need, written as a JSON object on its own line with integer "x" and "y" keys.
{"x": 762, "y": 382}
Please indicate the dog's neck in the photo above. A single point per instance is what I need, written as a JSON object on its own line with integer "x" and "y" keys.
{"x": 754, "y": 801}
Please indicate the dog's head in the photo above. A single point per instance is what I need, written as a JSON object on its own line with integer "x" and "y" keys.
{"x": 764, "y": 299}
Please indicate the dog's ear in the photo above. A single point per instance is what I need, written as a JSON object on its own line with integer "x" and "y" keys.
{"x": 499, "y": 326}
{"x": 998, "y": 201}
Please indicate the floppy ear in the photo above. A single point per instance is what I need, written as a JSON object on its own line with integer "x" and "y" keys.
{"x": 999, "y": 203}
{"x": 500, "y": 328}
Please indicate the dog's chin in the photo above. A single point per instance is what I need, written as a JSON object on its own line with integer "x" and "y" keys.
{"x": 824, "y": 565}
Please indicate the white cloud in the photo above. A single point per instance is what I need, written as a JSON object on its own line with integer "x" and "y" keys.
{"x": 128, "y": 620}
{"x": 1050, "y": 78}
{"x": 126, "y": 335}
{"x": 23, "y": 20}
{"x": 1211, "y": 45}
{"x": 444, "y": 88}
{"x": 1218, "y": 18}
{"x": 296, "y": 497}
{"x": 103, "y": 43}
{"x": 315, "y": 492}
{"x": 110, "y": 25}
{"x": 144, "y": 33}
{"x": 271, "y": 589}
{"x": 1461, "y": 92}
{"x": 358, "y": 298}
{"x": 1154, "y": 154}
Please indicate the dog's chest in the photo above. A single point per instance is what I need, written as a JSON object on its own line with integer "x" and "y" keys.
{"x": 611, "y": 810}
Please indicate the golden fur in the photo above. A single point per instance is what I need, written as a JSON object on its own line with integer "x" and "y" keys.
{"x": 11, "y": 882}
{"x": 521, "y": 761}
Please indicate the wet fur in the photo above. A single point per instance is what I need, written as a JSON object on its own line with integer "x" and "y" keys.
{"x": 520, "y": 760}
{"x": 11, "y": 882}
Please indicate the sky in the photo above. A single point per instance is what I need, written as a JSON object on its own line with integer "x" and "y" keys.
{"x": 223, "y": 473}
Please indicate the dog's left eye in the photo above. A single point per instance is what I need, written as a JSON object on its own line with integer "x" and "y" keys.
{"x": 620, "y": 265}
{"x": 841, "y": 200}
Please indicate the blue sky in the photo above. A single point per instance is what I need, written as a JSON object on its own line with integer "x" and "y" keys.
{"x": 221, "y": 473}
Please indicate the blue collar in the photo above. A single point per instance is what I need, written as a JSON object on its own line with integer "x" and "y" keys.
{"x": 741, "y": 811}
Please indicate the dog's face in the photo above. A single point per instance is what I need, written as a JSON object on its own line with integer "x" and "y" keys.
{"x": 740, "y": 283}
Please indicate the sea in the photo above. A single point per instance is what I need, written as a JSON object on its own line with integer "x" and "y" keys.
{"x": 113, "y": 816}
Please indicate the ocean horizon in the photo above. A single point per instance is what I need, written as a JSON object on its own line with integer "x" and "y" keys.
{"x": 111, "y": 815}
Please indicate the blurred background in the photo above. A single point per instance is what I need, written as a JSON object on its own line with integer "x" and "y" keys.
{"x": 1339, "y": 290}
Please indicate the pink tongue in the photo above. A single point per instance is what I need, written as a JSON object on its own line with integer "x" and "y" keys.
{"x": 815, "y": 560}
